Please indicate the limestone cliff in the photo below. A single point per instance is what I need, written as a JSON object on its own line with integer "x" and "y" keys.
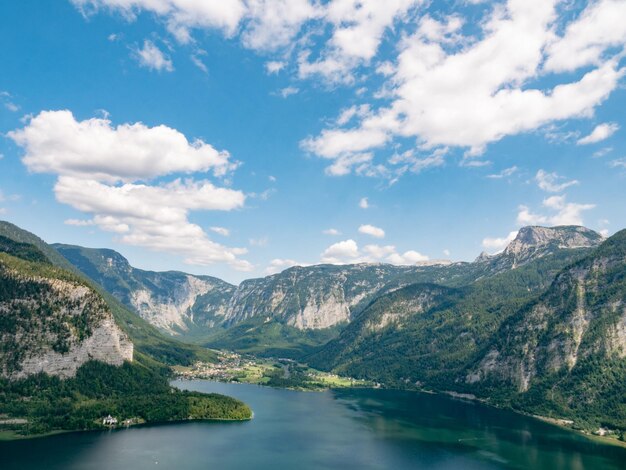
{"x": 52, "y": 322}
{"x": 582, "y": 317}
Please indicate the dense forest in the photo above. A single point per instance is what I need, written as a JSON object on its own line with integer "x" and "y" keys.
{"x": 131, "y": 392}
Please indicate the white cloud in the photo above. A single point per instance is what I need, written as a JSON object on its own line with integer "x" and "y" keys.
{"x": 618, "y": 163}
{"x": 336, "y": 253}
{"x": 358, "y": 28}
{"x": 600, "y": 27}
{"x": 348, "y": 252}
{"x": 417, "y": 163}
{"x": 345, "y": 164}
{"x": 220, "y": 231}
{"x": 331, "y": 231}
{"x": 408, "y": 257}
{"x": 274, "y": 66}
{"x": 372, "y": 231}
{"x": 504, "y": 173}
{"x": 446, "y": 252}
{"x": 103, "y": 171}
{"x": 79, "y": 222}
{"x": 262, "y": 241}
{"x": 552, "y": 182}
{"x": 197, "y": 61}
{"x": 6, "y": 99}
{"x": 602, "y": 152}
{"x": 181, "y": 15}
{"x": 8, "y": 197}
{"x": 364, "y": 203}
{"x": 561, "y": 213}
{"x": 150, "y": 56}
{"x": 274, "y": 23}
{"x": 288, "y": 91}
{"x": 277, "y": 265}
{"x": 55, "y": 142}
{"x": 496, "y": 245}
{"x": 11, "y": 107}
{"x": 477, "y": 93}
{"x": 156, "y": 217}
{"x": 347, "y": 114}
{"x": 599, "y": 133}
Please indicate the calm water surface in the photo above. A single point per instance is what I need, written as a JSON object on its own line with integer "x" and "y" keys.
{"x": 368, "y": 429}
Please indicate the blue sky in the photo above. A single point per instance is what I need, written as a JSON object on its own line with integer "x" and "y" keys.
{"x": 236, "y": 138}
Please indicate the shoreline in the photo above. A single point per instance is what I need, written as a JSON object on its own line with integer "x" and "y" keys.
{"x": 466, "y": 397}
{"x": 13, "y": 435}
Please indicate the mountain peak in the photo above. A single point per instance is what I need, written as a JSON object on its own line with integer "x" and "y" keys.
{"x": 565, "y": 236}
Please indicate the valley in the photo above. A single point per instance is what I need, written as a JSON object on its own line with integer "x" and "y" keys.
{"x": 528, "y": 329}
{"x": 284, "y": 373}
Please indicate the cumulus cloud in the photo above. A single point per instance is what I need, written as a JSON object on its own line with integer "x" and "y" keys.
{"x": 340, "y": 251}
{"x": 496, "y": 245}
{"x": 560, "y": 212}
{"x": 599, "y": 133}
{"x": 331, "y": 231}
{"x": 278, "y": 264}
{"x": 599, "y": 27}
{"x": 358, "y": 27}
{"x": 150, "y": 56}
{"x": 552, "y": 182}
{"x": 372, "y": 231}
{"x": 274, "y": 23}
{"x": 348, "y": 252}
{"x": 181, "y": 15}
{"x": 55, "y": 142}
{"x": 364, "y": 203}
{"x": 105, "y": 171}
{"x": 477, "y": 92}
{"x": 274, "y": 66}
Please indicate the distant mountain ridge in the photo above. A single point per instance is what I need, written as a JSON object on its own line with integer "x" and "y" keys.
{"x": 172, "y": 301}
{"x": 313, "y": 302}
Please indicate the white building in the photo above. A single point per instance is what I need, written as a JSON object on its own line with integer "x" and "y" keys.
{"x": 109, "y": 421}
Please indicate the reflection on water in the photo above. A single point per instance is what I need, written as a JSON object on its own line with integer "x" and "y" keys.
{"x": 373, "y": 429}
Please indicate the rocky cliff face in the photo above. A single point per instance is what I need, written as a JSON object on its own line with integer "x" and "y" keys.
{"x": 532, "y": 243}
{"x": 53, "y": 323}
{"x": 323, "y": 296}
{"x": 582, "y": 317}
{"x": 172, "y": 301}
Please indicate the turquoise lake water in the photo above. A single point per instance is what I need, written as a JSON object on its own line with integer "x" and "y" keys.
{"x": 365, "y": 429}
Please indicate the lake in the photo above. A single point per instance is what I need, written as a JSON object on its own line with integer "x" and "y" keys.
{"x": 358, "y": 428}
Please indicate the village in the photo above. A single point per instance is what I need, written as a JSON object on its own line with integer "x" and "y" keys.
{"x": 280, "y": 372}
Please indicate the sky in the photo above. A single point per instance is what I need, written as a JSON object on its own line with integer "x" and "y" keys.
{"x": 236, "y": 138}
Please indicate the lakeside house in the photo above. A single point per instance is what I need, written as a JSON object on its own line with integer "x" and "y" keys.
{"x": 109, "y": 421}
